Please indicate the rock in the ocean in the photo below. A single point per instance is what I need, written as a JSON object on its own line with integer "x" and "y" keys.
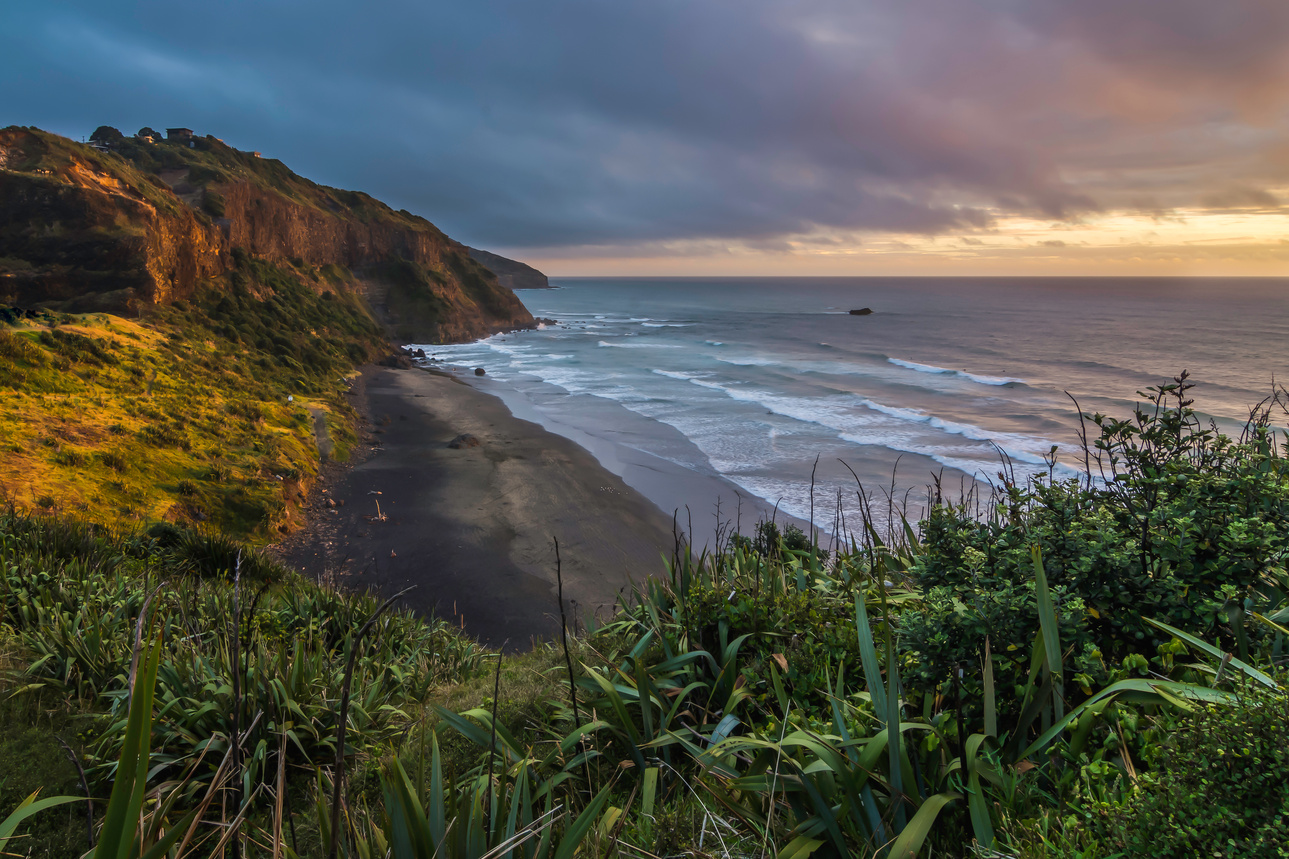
{"x": 464, "y": 440}
{"x": 863, "y": 311}
{"x": 479, "y": 371}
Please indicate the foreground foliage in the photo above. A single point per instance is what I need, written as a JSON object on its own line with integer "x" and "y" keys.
{"x": 1092, "y": 669}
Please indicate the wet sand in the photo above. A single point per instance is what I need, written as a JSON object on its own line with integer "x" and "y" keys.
{"x": 472, "y": 528}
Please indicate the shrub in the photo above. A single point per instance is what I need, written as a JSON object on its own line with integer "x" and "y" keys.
{"x": 113, "y": 460}
{"x": 1189, "y": 523}
{"x": 70, "y": 458}
{"x": 213, "y": 203}
{"x": 19, "y": 348}
{"x": 1220, "y": 787}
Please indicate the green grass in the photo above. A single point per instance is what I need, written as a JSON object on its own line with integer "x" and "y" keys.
{"x": 71, "y": 595}
{"x": 184, "y": 416}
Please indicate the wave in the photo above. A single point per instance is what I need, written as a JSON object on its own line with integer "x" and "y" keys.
{"x": 606, "y": 343}
{"x": 946, "y": 371}
{"x": 841, "y": 415}
{"x": 750, "y": 362}
{"x": 666, "y": 324}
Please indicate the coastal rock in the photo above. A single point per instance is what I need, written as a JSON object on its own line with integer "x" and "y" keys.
{"x": 479, "y": 371}
{"x": 862, "y": 311}
{"x": 464, "y": 440}
{"x": 397, "y": 361}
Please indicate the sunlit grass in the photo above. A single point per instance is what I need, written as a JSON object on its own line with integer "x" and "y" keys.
{"x": 119, "y": 420}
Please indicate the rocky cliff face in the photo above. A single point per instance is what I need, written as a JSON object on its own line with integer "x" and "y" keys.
{"x": 74, "y": 233}
{"x": 147, "y": 224}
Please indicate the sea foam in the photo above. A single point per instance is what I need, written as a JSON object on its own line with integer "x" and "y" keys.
{"x": 946, "y": 371}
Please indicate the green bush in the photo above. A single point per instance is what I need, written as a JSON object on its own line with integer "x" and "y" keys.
{"x": 1188, "y": 524}
{"x": 1219, "y": 787}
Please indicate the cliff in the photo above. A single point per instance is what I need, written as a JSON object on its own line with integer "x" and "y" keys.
{"x": 148, "y": 224}
{"x": 512, "y": 274}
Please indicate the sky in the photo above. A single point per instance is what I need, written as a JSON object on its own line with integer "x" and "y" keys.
{"x": 726, "y": 137}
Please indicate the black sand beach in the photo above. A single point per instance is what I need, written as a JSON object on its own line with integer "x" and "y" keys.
{"x": 472, "y": 528}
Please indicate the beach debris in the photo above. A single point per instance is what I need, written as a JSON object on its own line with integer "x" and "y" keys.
{"x": 464, "y": 440}
{"x": 392, "y": 554}
{"x": 374, "y": 492}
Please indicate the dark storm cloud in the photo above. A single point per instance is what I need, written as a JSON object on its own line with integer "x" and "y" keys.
{"x": 520, "y": 124}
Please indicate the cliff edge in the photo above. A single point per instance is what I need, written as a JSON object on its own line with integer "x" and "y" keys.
{"x": 137, "y": 222}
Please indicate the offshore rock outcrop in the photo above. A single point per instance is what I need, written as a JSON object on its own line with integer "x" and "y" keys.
{"x": 147, "y": 224}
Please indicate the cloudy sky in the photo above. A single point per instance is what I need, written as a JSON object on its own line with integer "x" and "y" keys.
{"x": 726, "y": 136}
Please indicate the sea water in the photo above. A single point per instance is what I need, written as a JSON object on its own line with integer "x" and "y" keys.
{"x": 768, "y": 382}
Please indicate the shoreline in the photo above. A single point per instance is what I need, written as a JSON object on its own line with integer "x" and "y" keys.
{"x": 472, "y": 528}
{"x": 678, "y": 490}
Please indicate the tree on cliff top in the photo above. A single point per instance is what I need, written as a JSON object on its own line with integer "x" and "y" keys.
{"x": 106, "y": 134}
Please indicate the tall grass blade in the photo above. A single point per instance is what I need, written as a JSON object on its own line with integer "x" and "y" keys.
{"x": 26, "y": 809}
{"x": 1244, "y": 667}
{"x": 913, "y": 836}
{"x": 1051, "y": 633}
{"x": 991, "y": 706}
{"x": 868, "y": 660}
{"x": 977, "y": 806}
{"x": 578, "y": 829}
{"x": 121, "y": 820}
{"x": 895, "y": 741}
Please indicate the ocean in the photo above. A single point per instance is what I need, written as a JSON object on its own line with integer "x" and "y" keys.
{"x": 752, "y": 383}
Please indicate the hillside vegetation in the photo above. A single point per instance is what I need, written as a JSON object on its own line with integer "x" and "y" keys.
{"x": 178, "y": 321}
{"x": 1088, "y": 669}
{"x": 147, "y": 223}
{"x": 204, "y": 412}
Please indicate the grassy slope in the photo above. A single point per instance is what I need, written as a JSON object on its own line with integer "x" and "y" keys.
{"x": 183, "y": 415}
